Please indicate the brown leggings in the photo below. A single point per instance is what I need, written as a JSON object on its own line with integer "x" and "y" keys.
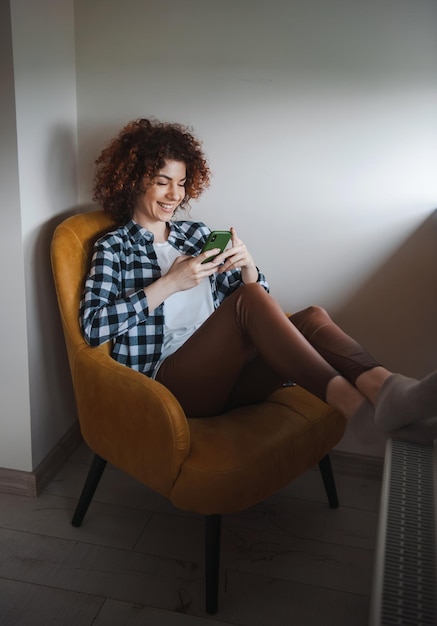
{"x": 247, "y": 348}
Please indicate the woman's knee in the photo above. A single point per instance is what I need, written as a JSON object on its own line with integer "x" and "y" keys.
{"x": 310, "y": 318}
{"x": 252, "y": 290}
{"x": 252, "y": 297}
{"x": 255, "y": 301}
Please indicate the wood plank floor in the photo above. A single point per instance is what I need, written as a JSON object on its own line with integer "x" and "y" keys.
{"x": 138, "y": 561}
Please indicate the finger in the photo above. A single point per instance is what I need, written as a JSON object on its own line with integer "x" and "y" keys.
{"x": 237, "y": 252}
{"x": 227, "y": 268}
{"x": 231, "y": 262}
{"x": 234, "y": 236}
{"x": 203, "y": 256}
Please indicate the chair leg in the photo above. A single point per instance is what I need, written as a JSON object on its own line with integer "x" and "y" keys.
{"x": 328, "y": 481}
{"x": 212, "y": 561}
{"x": 94, "y": 475}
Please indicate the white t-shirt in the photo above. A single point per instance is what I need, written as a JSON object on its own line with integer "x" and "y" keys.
{"x": 184, "y": 311}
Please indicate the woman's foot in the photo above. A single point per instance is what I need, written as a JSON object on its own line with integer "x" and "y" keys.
{"x": 363, "y": 425}
{"x": 423, "y": 432}
{"x": 403, "y": 401}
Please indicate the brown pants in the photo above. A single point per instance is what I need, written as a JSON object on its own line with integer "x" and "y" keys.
{"x": 247, "y": 348}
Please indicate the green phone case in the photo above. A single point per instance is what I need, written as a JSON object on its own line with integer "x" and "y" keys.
{"x": 216, "y": 239}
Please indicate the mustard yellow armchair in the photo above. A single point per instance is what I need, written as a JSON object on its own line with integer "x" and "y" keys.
{"x": 212, "y": 466}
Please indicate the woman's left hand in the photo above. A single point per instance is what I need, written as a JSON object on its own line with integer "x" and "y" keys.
{"x": 238, "y": 257}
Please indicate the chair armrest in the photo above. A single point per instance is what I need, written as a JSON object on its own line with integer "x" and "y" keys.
{"x": 130, "y": 420}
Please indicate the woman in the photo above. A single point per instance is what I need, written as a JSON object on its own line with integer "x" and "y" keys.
{"x": 210, "y": 331}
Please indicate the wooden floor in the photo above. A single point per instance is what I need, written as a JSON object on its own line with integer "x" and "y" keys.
{"x": 138, "y": 561}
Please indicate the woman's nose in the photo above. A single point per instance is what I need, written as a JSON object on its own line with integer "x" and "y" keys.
{"x": 173, "y": 192}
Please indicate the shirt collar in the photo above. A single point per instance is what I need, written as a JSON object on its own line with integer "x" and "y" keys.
{"x": 177, "y": 235}
{"x": 139, "y": 234}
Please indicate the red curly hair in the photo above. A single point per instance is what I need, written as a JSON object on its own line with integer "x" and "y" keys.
{"x": 136, "y": 155}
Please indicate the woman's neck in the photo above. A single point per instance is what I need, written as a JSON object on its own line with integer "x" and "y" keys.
{"x": 161, "y": 235}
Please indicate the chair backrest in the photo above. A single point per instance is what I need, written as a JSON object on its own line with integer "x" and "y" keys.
{"x": 71, "y": 252}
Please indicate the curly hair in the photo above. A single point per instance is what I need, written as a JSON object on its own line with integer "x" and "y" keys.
{"x": 136, "y": 155}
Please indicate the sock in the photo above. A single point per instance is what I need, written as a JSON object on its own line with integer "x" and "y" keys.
{"x": 423, "y": 432}
{"x": 403, "y": 401}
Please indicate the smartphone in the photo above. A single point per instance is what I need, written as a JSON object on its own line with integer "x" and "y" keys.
{"x": 216, "y": 239}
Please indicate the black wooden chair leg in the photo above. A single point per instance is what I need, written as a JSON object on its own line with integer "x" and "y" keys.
{"x": 328, "y": 481}
{"x": 212, "y": 561}
{"x": 94, "y": 475}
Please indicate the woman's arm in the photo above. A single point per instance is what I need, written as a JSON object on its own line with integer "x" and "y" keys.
{"x": 106, "y": 313}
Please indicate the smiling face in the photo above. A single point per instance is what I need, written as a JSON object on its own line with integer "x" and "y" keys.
{"x": 163, "y": 195}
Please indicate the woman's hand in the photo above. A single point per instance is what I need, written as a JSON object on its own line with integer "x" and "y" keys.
{"x": 238, "y": 257}
{"x": 187, "y": 271}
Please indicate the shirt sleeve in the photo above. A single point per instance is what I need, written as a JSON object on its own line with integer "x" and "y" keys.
{"x": 228, "y": 282}
{"x": 104, "y": 312}
{"x": 263, "y": 281}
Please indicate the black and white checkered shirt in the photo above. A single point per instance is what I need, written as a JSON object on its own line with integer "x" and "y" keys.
{"x": 114, "y": 306}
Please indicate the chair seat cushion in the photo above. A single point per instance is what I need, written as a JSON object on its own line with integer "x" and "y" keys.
{"x": 244, "y": 455}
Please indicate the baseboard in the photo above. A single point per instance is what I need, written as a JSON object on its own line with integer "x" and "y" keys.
{"x": 357, "y": 464}
{"x": 17, "y": 482}
{"x": 33, "y": 483}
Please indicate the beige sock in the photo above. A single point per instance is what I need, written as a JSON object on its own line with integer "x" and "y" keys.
{"x": 423, "y": 432}
{"x": 403, "y": 401}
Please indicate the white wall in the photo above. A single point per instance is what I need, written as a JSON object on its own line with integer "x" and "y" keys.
{"x": 319, "y": 120}
{"x": 15, "y": 439}
{"x": 318, "y": 117}
{"x": 43, "y": 169}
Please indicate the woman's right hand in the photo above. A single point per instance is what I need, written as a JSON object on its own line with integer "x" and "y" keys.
{"x": 187, "y": 271}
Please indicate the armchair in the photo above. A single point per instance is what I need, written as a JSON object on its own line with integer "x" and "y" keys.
{"x": 212, "y": 466}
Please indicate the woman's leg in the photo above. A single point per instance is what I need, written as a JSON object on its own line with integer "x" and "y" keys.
{"x": 204, "y": 371}
{"x": 340, "y": 350}
{"x": 399, "y": 401}
{"x": 256, "y": 381}
{"x": 333, "y": 344}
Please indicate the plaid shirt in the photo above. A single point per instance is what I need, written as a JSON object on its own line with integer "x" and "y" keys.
{"x": 114, "y": 305}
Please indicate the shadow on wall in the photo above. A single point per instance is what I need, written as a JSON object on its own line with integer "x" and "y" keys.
{"x": 51, "y": 334}
{"x": 52, "y": 376}
{"x": 54, "y": 373}
{"x": 394, "y": 314}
